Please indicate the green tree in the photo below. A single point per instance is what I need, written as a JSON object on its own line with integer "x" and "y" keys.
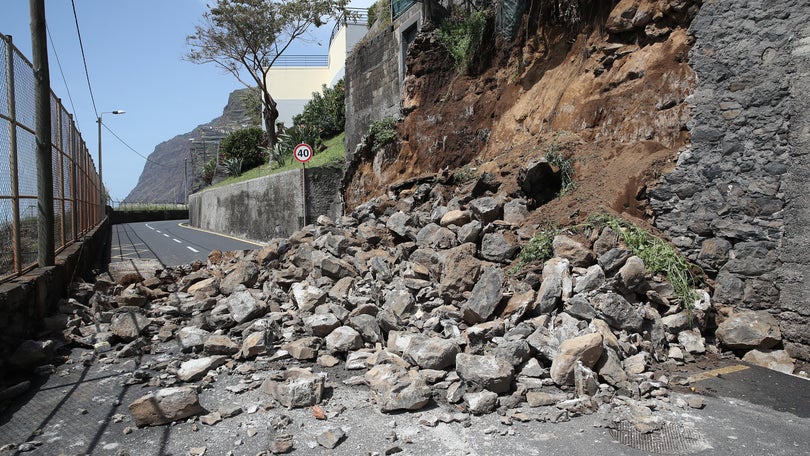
{"x": 245, "y": 145}
{"x": 327, "y": 112}
{"x": 246, "y": 37}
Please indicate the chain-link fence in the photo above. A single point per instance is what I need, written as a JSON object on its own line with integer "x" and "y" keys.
{"x": 76, "y": 195}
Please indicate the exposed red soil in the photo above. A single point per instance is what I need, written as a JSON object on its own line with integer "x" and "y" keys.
{"x": 613, "y": 103}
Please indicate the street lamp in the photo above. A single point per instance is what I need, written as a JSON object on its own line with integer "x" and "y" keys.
{"x": 100, "y": 173}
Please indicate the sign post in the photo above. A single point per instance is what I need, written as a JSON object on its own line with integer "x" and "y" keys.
{"x": 303, "y": 153}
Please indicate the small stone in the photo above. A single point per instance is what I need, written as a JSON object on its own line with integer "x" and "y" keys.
{"x": 331, "y": 437}
{"x": 282, "y": 444}
{"x": 164, "y": 406}
{"x": 481, "y": 402}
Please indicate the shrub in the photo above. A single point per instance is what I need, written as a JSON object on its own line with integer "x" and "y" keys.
{"x": 383, "y": 132}
{"x": 326, "y": 112}
{"x": 462, "y": 37}
{"x": 380, "y": 10}
{"x": 246, "y": 145}
{"x": 233, "y": 166}
{"x": 566, "y": 167}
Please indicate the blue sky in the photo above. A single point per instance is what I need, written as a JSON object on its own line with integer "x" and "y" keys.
{"x": 134, "y": 55}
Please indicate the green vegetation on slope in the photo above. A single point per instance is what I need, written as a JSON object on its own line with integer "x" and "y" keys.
{"x": 333, "y": 155}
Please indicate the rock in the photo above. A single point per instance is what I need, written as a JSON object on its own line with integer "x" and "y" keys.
{"x": 489, "y": 372}
{"x": 282, "y": 444}
{"x": 633, "y": 274}
{"x": 577, "y": 254}
{"x": 357, "y": 360}
{"x": 542, "y": 399}
{"x": 432, "y": 352}
{"x": 610, "y": 368}
{"x": 455, "y": 217}
{"x": 304, "y": 349}
{"x": 220, "y": 345}
{"x": 593, "y": 278}
{"x": 676, "y": 323}
{"x": 129, "y": 324}
{"x": 331, "y": 437}
{"x": 486, "y": 209}
{"x": 243, "y": 306}
{"x": 495, "y": 247}
{"x": 32, "y": 353}
{"x": 613, "y": 259}
{"x": 486, "y": 295}
{"x": 195, "y": 369}
{"x": 617, "y": 312}
{"x": 692, "y": 341}
{"x": 777, "y": 360}
{"x": 344, "y": 339}
{"x": 586, "y": 348}
{"x": 336, "y": 268}
{"x": 540, "y": 181}
{"x": 190, "y": 338}
{"x": 395, "y": 388}
{"x": 254, "y": 345}
{"x": 515, "y": 212}
{"x": 749, "y": 329}
{"x": 518, "y": 305}
{"x": 307, "y": 297}
{"x": 585, "y": 381}
{"x": 556, "y": 273}
{"x": 461, "y": 270}
{"x": 244, "y": 273}
{"x": 470, "y": 232}
{"x": 515, "y": 352}
{"x": 399, "y": 301}
{"x": 637, "y": 363}
{"x": 165, "y": 406}
{"x": 481, "y": 402}
{"x": 368, "y": 327}
{"x": 399, "y": 223}
{"x": 579, "y": 307}
{"x": 300, "y": 388}
{"x": 211, "y": 418}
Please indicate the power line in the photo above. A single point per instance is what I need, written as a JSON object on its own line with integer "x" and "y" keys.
{"x": 67, "y": 88}
{"x": 84, "y": 59}
{"x": 132, "y": 149}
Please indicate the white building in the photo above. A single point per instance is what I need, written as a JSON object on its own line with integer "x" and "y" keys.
{"x": 293, "y": 78}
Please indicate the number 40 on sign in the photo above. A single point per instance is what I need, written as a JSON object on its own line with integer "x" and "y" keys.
{"x": 303, "y": 152}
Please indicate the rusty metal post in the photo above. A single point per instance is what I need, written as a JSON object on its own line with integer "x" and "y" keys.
{"x": 15, "y": 179}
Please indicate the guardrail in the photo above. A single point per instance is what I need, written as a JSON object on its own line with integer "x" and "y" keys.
{"x": 77, "y": 199}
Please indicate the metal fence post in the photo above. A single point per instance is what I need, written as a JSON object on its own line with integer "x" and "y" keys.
{"x": 15, "y": 179}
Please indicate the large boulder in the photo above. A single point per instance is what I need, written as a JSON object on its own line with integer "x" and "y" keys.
{"x": 486, "y": 295}
{"x": 164, "y": 406}
{"x": 490, "y": 372}
{"x": 749, "y": 329}
{"x": 396, "y": 388}
{"x": 586, "y": 349}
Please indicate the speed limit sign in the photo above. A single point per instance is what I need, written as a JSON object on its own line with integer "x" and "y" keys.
{"x": 303, "y": 152}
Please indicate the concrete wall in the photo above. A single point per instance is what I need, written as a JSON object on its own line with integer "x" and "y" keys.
{"x": 118, "y": 217}
{"x": 374, "y": 74}
{"x": 737, "y": 201}
{"x": 267, "y": 207}
{"x": 26, "y": 300}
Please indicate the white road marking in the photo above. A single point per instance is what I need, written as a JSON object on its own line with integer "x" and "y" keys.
{"x": 147, "y": 225}
{"x": 177, "y": 241}
{"x": 166, "y": 235}
{"x": 193, "y": 249}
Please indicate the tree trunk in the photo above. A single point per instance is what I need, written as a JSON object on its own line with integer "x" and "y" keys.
{"x": 270, "y": 115}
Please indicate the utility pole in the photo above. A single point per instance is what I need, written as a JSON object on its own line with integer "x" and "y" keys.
{"x": 42, "y": 91}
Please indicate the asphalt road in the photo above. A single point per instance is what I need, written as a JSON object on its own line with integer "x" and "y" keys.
{"x": 171, "y": 242}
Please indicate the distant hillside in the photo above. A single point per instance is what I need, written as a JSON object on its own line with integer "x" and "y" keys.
{"x": 162, "y": 179}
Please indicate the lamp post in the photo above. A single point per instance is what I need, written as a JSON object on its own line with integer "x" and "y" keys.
{"x": 100, "y": 173}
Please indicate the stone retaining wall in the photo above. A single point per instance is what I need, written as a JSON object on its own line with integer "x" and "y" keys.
{"x": 736, "y": 203}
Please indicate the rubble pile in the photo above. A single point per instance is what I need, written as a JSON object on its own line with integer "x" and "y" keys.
{"x": 415, "y": 297}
